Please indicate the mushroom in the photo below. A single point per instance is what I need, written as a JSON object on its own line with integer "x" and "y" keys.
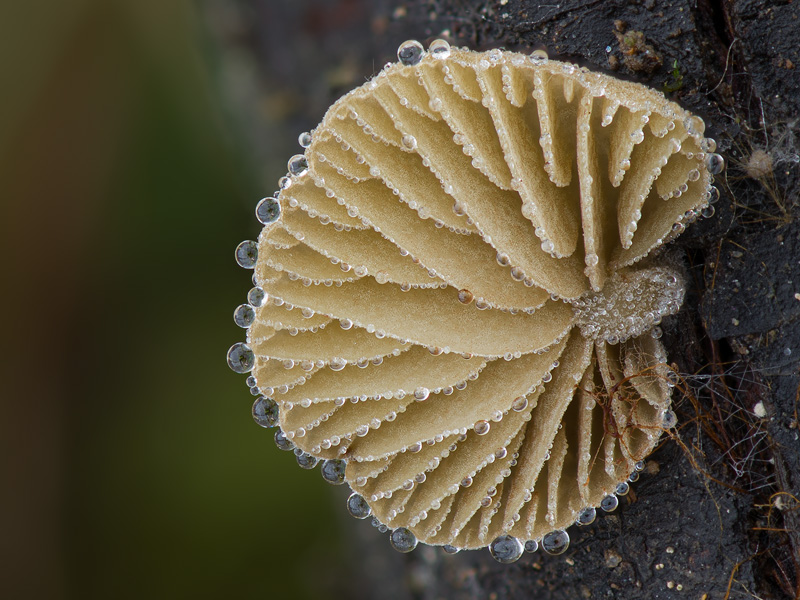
{"x": 458, "y": 293}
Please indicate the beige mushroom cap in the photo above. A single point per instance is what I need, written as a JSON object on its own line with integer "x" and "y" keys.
{"x": 454, "y": 305}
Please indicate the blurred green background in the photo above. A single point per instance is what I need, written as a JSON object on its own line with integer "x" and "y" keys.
{"x": 131, "y": 466}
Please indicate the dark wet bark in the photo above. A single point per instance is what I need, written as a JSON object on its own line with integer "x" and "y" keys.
{"x": 716, "y": 514}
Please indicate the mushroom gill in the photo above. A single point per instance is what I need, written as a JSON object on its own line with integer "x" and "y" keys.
{"x": 457, "y": 295}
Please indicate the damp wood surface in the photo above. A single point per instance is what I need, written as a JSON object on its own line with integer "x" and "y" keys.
{"x": 696, "y": 518}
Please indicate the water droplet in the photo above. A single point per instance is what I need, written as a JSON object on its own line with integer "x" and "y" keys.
{"x": 333, "y": 471}
{"x": 305, "y": 460}
{"x": 305, "y": 139}
{"x": 450, "y": 549}
{"x": 539, "y": 56}
{"x": 520, "y": 404}
{"x": 531, "y": 546}
{"x": 506, "y": 549}
{"x": 268, "y": 210}
{"x": 409, "y": 142}
{"x": 241, "y": 358}
{"x": 244, "y": 315}
{"x": 298, "y": 165}
{"x": 265, "y": 412}
{"x": 715, "y": 163}
{"x": 669, "y": 419}
{"x": 421, "y": 393}
{"x": 634, "y": 477}
{"x": 482, "y": 427}
{"x": 609, "y": 503}
{"x": 282, "y": 442}
{"x": 247, "y": 254}
{"x": 466, "y": 482}
{"x": 555, "y": 542}
{"x": 639, "y": 465}
{"x": 410, "y": 52}
{"x": 622, "y": 489}
{"x": 256, "y": 297}
{"x": 708, "y": 211}
{"x": 357, "y": 506}
{"x": 439, "y": 49}
{"x": 587, "y": 516}
{"x": 337, "y": 364}
{"x": 465, "y": 296}
{"x": 403, "y": 540}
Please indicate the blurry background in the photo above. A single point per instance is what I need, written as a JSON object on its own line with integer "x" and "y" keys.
{"x": 135, "y": 140}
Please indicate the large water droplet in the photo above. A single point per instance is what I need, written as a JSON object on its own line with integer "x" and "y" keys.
{"x": 305, "y": 139}
{"x": 609, "y": 503}
{"x": 410, "y": 52}
{"x": 403, "y": 540}
{"x": 247, "y": 254}
{"x": 256, "y": 297}
{"x": 715, "y": 163}
{"x": 265, "y": 412}
{"x": 358, "y": 507}
{"x": 241, "y": 358}
{"x": 282, "y": 442}
{"x": 482, "y": 427}
{"x": 555, "y": 542}
{"x": 298, "y": 165}
{"x": 506, "y": 549}
{"x": 244, "y": 315}
{"x": 669, "y": 419}
{"x": 268, "y": 210}
{"x": 439, "y": 49}
{"x": 333, "y": 471}
{"x": 587, "y": 516}
{"x": 305, "y": 460}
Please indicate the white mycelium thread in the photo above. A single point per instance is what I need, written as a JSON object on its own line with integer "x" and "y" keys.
{"x": 460, "y": 300}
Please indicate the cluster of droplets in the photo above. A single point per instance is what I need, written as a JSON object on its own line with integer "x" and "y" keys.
{"x": 631, "y": 303}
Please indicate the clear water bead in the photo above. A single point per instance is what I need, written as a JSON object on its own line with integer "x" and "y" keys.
{"x": 586, "y": 516}
{"x": 333, "y": 471}
{"x": 715, "y": 163}
{"x": 304, "y": 139}
{"x": 357, "y": 506}
{"x": 482, "y": 427}
{"x": 539, "y": 56}
{"x": 247, "y": 254}
{"x": 265, "y": 412}
{"x": 241, "y": 358}
{"x": 519, "y": 404}
{"x": 450, "y": 549}
{"x": 669, "y": 419}
{"x": 555, "y": 542}
{"x": 298, "y": 165}
{"x": 403, "y": 540}
{"x": 421, "y": 394}
{"x": 244, "y": 315}
{"x": 531, "y": 546}
{"x": 410, "y": 53}
{"x": 305, "y": 460}
{"x": 256, "y": 297}
{"x": 268, "y": 210}
{"x": 609, "y": 503}
{"x": 409, "y": 142}
{"x": 439, "y": 49}
{"x": 282, "y": 442}
{"x": 506, "y": 549}
{"x": 622, "y": 489}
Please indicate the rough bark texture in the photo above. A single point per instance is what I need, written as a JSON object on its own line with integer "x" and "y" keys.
{"x": 716, "y": 513}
